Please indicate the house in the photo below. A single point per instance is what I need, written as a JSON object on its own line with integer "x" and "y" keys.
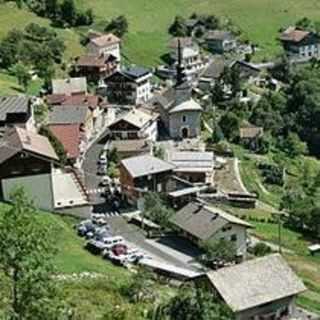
{"x": 28, "y": 160}
{"x": 16, "y": 111}
{"x": 300, "y": 44}
{"x": 211, "y": 74}
{"x": 247, "y": 71}
{"x": 220, "y": 41}
{"x": 180, "y": 114}
{"x": 190, "y": 55}
{"x": 70, "y": 86}
{"x": 249, "y": 135}
{"x": 129, "y": 86}
{"x": 135, "y": 124}
{"x": 131, "y": 148}
{"x": 96, "y": 67}
{"x": 104, "y": 44}
{"x": 142, "y": 174}
{"x": 199, "y": 223}
{"x": 193, "y": 166}
{"x": 259, "y": 289}
{"x": 96, "y": 105}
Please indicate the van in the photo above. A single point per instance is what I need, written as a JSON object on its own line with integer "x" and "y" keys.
{"x": 112, "y": 241}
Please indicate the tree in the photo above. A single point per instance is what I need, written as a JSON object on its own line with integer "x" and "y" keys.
{"x": 23, "y": 75}
{"x": 119, "y": 26}
{"x": 293, "y": 146}
{"x": 178, "y": 28}
{"x": 219, "y": 251}
{"x": 217, "y": 92}
{"x": 261, "y": 249}
{"x": 156, "y": 210}
{"x": 193, "y": 303}
{"x": 69, "y": 12}
{"x": 304, "y": 24}
{"x": 26, "y": 252}
{"x": 230, "y": 124}
{"x": 56, "y": 144}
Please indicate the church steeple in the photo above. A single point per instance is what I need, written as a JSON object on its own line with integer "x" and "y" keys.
{"x": 180, "y": 78}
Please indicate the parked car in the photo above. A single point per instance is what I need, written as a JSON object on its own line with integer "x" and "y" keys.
{"x": 102, "y": 169}
{"x": 103, "y": 158}
{"x": 105, "y": 181}
{"x": 99, "y": 219}
{"x": 94, "y": 246}
{"x": 85, "y": 227}
{"x": 134, "y": 256}
{"x": 110, "y": 242}
{"x": 102, "y": 232}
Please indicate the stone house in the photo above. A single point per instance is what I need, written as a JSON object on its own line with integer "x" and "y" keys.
{"x": 199, "y": 223}
{"x": 129, "y": 86}
{"x": 249, "y": 135}
{"x": 260, "y": 289}
{"x": 220, "y": 41}
{"x": 104, "y": 45}
{"x": 70, "y": 86}
{"x": 300, "y": 44}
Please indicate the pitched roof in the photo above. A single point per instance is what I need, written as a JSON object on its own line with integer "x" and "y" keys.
{"x": 13, "y": 104}
{"x": 219, "y": 35}
{"x": 215, "y": 69}
{"x": 94, "y": 61}
{"x": 294, "y": 35}
{"x": 18, "y": 139}
{"x": 202, "y": 221}
{"x": 256, "y": 282}
{"x": 69, "y": 86}
{"x": 192, "y": 161}
{"x": 76, "y": 100}
{"x": 68, "y": 114}
{"x": 189, "y": 105}
{"x": 135, "y": 117}
{"x": 250, "y": 131}
{"x": 134, "y": 145}
{"x": 70, "y": 137}
{"x": 144, "y": 165}
{"x": 184, "y": 42}
{"x": 105, "y": 40}
{"x": 136, "y": 72}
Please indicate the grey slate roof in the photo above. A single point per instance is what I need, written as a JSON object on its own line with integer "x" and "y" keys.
{"x": 144, "y": 165}
{"x": 192, "y": 161}
{"x": 203, "y": 222}
{"x": 68, "y": 114}
{"x": 214, "y": 69}
{"x": 13, "y": 104}
{"x": 219, "y": 35}
{"x": 256, "y": 282}
{"x": 189, "y": 105}
{"x": 136, "y": 72}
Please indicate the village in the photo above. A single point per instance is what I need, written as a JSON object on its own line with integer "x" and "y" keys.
{"x": 125, "y": 149}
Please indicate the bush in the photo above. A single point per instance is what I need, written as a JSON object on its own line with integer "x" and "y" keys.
{"x": 261, "y": 249}
{"x": 271, "y": 173}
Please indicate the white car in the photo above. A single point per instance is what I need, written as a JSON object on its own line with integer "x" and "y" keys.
{"x": 102, "y": 169}
{"x": 105, "y": 180}
{"x": 112, "y": 241}
{"x": 103, "y": 158}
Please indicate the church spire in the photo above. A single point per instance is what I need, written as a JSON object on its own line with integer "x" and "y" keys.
{"x": 180, "y": 68}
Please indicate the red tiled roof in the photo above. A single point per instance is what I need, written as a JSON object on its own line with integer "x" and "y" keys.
{"x": 94, "y": 61}
{"x": 70, "y": 137}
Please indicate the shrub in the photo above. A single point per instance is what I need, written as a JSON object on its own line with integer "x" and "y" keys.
{"x": 261, "y": 249}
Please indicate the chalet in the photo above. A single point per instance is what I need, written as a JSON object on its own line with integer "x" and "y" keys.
{"x": 104, "y": 44}
{"x": 180, "y": 114}
{"x": 135, "y": 124}
{"x": 219, "y": 41}
{"x": 212, "y": 74}
{"x": 96, "y": 68}
{"x": 261, "y": 289}
{"x": 247, "y": 70}
{"x": 142, "y": 174}
{"x": 193, "y": 166}
{"x": 191, "y": 57}
{"x": 69, "y": 86}
{"x": 28, "y": 160}
{"x": 250, "y": 134}
{"x": 300, "y": 44}
{"x": 16, "y": 111}
{"x": 199, "y": 223}
{"x": 129, "y": 86}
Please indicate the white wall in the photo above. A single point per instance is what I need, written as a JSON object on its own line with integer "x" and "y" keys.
{"x": 37, "y": 187}
{"x": 152, "y": 131}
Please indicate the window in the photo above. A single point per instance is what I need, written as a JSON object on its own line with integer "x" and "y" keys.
{"x": 184, "y": 118}
{"x": 233, "y": 237}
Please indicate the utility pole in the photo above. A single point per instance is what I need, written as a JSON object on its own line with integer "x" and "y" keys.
{"x": 279, "y": 233}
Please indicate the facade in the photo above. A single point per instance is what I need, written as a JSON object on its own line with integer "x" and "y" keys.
{"x": 144, "y": 174}
{"x": 16, "y": 111}
{"x": 190, "y": 55}
{"x": 220, "y": 42}
{"x": 104, "y": 45}
{"x": 260, "y": 289}
{"x": 300, "y": 44}
{"x": 135, "y": 124}
{"x": 96, "y": 68}
{"x": 70, "y": 86}
{"x": 250, "y": 134}
{"x": 129, "y": 86}
{"x": 193, "y": 166}
{"x": 199, "y": 223}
